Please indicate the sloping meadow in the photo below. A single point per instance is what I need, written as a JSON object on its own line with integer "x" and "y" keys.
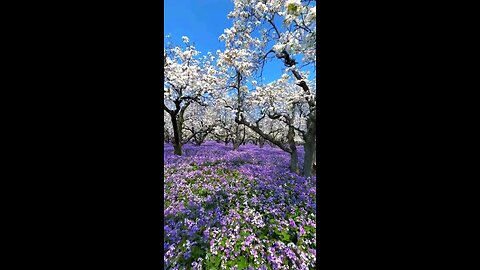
{"x": 242, "y": 209}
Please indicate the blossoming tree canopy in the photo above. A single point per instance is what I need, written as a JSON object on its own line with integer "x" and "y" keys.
{"x": 226, "y": 84}
{"x": 284, "y": 30}
{"x": 188, "y": 79}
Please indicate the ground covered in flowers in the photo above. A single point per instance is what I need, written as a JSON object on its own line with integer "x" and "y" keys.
{"x": 242, "y": 209}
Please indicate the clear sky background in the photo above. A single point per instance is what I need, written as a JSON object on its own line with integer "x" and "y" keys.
{"x": 203, "y": 21}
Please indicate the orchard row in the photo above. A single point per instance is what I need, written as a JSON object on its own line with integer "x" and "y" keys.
{"x": 219, "y": 96}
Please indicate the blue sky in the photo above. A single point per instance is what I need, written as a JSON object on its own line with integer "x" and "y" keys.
{"x": 203, "y": 21}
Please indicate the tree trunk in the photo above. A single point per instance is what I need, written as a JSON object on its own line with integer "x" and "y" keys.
{"x": 236, "y": 145}
{"x": 244, "y": 135}
{"x": 166, "y": 136}
{"x": 261, "y": 142}
{"x": 309, "y": 147}
{"x": 197, "y": 140}
{"x": 177, "y": 143}
{"x": 236, "y": 138}
{"x": 294, "y": 162}
{"x": 293, "y": 150}
{"x": 201, "y": 138}
{"x": 314, "y": 156}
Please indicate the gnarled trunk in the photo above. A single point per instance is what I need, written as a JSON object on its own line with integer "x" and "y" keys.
{"x": 309, "y": 147}
{"x": 293, "y": 150}
{"x": 177, "y": 142}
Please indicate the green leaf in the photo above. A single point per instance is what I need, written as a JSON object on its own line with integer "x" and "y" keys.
{"x": 197, "y": 252}
{"x": 237, "y": 248}
{"x": 215, "y": 260}
{"x": 242, "y": 263}
{"x": 285, "y": 236}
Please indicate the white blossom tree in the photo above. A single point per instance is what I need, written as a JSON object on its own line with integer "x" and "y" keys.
{"x": 228, "y": 130}
{"x": 199, "y": 123}
{"x": 283, "y": 30}
{"x": 240, "y": 62}
{"x": 167, "y": 129}
{"x": 188, "y": 79}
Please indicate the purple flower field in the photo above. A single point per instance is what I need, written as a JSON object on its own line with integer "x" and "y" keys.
{"x": 242, "y": 209}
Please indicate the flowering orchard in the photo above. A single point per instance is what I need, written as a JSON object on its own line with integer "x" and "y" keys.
{"x": 239, "y": 151}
